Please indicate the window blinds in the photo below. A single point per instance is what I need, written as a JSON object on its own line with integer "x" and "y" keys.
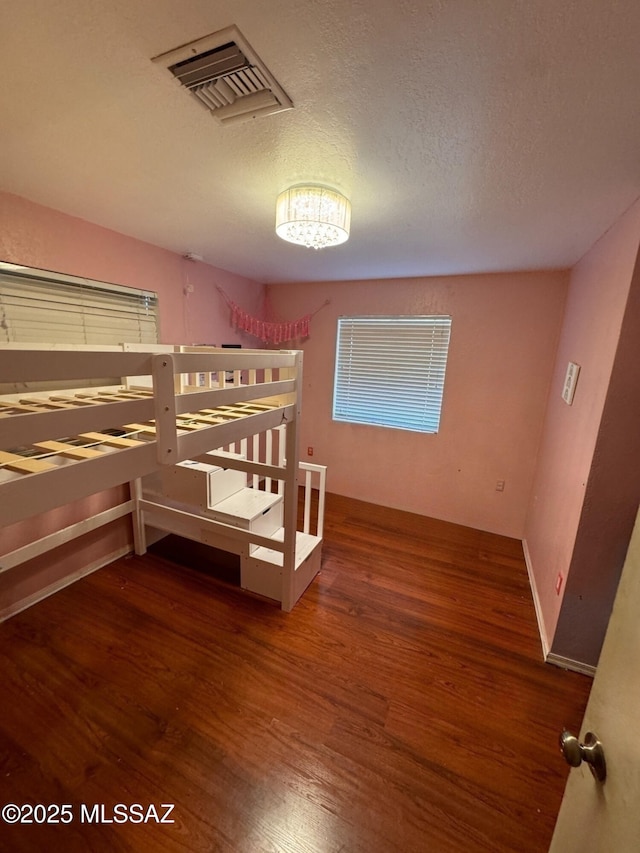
{"x": 41, "y": 307}
{"x": 390, "y": 371}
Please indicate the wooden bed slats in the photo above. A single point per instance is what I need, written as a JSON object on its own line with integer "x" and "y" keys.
{"x": 147, "y": 429}
{"x": 76, "y": 400}
{"x": 49, "y": 403}
{"x": 72, "y": 451}
{"x": 227, "y": 415}
{"x": 22, "y": 464}
{"x": 243, "y": 407}
{"x": 200, "y": 423}
{"x": 112, "y": 398}
{"x": 111, "y": 440}
{"x": 61, "y": 401}
{"x": 19, "y": 408}
{"x": 187, "y": 422}
{"x": 108, "y": 397}
{"x": 207, "y": 420}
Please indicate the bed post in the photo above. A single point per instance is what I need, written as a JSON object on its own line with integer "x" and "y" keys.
{"x": 163, "y": 373}
{"x": 139, "y": 535}
{"x": 291, "y": 494}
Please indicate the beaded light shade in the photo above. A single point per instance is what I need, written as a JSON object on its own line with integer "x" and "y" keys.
{"x": 313, "y": 216}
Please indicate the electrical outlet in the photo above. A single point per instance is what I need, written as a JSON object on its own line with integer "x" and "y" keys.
{"x": 309, "y": 451}
{"x": 559, "y": 580}
{"x": 500, "y": 486}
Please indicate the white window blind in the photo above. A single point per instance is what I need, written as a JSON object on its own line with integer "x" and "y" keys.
{"x": 37, "y": 306}
{"x": 390, "y": 371}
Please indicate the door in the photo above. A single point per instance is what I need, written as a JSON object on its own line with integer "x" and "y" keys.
{"x": 604, "y": 817}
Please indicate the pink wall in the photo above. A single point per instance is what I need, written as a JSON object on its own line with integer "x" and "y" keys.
{"x": 556, "y": 523}
{"x": 571, "y": 476}
{"x": 191, "y": 311}
{"x": 37, "y": 236}
{"x": 505, "y": 328}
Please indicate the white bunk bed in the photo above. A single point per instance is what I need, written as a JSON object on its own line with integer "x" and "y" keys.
{"x": 206, "y": 438}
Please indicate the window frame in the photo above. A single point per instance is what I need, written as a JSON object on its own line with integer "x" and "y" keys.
{"x": 390, "y": 371}
{"x": 41, "y": 306}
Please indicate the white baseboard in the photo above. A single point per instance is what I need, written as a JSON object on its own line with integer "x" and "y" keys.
{"x": 573, "y": 665}
{"x": 536, "y": 603}
{"x": 549, "y": 656}
{"x": 18, "y": 606}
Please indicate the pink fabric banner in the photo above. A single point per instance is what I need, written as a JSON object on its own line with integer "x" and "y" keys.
{"x": 270, "y": 333}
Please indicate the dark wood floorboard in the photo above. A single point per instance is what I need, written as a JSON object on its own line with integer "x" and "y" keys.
{"x": 402, "y": 707}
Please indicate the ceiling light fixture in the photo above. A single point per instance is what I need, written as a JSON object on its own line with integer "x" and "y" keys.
{"x": 313, "y": 216}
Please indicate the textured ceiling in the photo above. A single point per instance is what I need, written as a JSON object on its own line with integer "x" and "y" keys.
{"x": 470, "y": 136}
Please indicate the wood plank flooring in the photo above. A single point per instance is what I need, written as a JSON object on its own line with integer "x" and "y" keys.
{"x": 402, "y": 707}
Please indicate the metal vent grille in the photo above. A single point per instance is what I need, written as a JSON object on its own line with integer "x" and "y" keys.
{"x": 226, "y": 76}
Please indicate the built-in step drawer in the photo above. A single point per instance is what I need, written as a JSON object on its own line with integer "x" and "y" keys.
{"x": 224, "y": 482}
{"x": 200, "y": 484}
{"x": 250, "y": 509}
{"x": 261, "y": 572}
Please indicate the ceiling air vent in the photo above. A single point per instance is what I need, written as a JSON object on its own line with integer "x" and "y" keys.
{"x": 226, "y": 76}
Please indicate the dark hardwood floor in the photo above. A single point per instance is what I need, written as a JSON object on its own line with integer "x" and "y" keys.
{"x": 402, "y": 707}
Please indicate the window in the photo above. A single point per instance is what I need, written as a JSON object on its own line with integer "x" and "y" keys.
{"x": 390, "y": 371}
{"x": 37, "y": 306}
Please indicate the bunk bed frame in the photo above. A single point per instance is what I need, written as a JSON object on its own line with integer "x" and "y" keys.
{"x": 130, "y": 415}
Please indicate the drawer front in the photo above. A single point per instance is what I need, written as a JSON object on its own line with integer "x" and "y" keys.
{"x": 269, "y": 521}
{"x": 261, "y": 578}
{"x": 224, "y": 483}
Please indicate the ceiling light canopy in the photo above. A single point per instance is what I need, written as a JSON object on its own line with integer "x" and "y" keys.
{"x": 313, "y": 216}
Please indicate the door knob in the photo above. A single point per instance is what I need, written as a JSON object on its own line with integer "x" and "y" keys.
{"x": 590, "y": 751}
